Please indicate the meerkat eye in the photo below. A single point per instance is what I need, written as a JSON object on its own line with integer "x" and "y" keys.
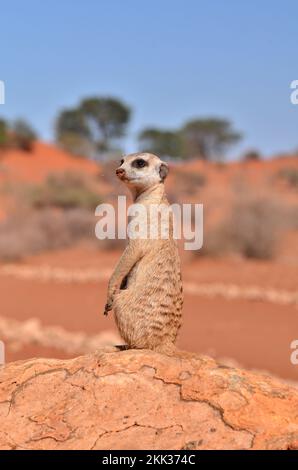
{"x": 139, "y": 163}
{"x": 122, "y": 161}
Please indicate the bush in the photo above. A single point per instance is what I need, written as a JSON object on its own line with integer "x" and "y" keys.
{"x": 77, "y": 145}
{"x": 252, "y": 155}
{"x": 290, "y": 175}
{"x": 16, "y": 135}
{"x": 66, "y": 191}
{"x": 3, "y": 133}
{"x": 252, "y": 229}
{"x": 189, "y": 183}
{"x": 26, "y": 234}
{"x": 22, "y": 135}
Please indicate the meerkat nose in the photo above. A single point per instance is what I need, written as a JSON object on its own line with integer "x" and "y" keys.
{"x": 120, "y": 171}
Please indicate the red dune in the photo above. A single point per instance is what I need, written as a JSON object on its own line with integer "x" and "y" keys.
{"x": 35, "y": 166}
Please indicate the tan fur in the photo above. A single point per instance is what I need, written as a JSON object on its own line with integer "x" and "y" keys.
{"x": 148, "y": 310}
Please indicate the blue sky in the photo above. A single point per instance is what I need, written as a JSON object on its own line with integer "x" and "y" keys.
{"x": 170, "y": 60}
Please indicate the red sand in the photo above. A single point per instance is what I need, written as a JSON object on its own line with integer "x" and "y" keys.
{"x": 35, "y": 166}
{"x": 257, "y": 334}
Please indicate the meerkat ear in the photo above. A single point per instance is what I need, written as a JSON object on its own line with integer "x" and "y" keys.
{"x": 163, "y": 171}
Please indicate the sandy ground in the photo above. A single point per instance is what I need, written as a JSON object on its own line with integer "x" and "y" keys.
{"x": 255, "y": 333}
{"x": 255, "y": 330}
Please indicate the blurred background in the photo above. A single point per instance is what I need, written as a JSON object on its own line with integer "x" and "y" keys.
{"x": 204, "y": 86}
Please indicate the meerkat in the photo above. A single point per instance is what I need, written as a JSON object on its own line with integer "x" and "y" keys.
{"x": 145, "y": 290}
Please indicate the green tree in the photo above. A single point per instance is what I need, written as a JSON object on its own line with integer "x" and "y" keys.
{"x": 106, "y": 119}
{"x": 208, "y": 138}
{"x": 3, "y": 133}
{"x": 22, "y": 135}
{"x": 72, "y": 133}
{"x": 93, "y": 126}
{"x": 163, "y": 143}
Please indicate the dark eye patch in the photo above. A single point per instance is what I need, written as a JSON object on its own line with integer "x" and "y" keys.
{"x": 139, "y": 163}
{"x": 122, "y": 161}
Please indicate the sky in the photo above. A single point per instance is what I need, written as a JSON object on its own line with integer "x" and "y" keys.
{"x": 170, "y": 60}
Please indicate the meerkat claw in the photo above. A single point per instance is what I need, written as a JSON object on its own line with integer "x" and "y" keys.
{"x": 108, "y": 308}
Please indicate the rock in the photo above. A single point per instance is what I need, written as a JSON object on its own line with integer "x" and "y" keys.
{"x": 143, "y": 400}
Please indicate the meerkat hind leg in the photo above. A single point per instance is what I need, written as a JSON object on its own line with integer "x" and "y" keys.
{"x": 169, "y": 349}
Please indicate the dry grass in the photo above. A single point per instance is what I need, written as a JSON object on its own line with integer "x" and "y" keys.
{"x": 67, "y": 191}
{"x": 252, "y": 229}
{"x": 290, "y": 176}
{"x": 35, "y": 231}
{"x": 189, "y": 183}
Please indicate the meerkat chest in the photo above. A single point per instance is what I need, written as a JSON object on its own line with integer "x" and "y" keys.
{"x": 152, "y": 220}
{"x": 160, "y": 263}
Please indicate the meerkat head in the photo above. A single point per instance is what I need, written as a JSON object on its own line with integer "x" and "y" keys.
{"x": 142, "y": 170}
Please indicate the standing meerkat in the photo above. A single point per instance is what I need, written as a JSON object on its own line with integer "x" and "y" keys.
{"x": 145, "y": 289}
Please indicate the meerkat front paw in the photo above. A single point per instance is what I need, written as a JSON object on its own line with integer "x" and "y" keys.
{"x": 108, "y": 308}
